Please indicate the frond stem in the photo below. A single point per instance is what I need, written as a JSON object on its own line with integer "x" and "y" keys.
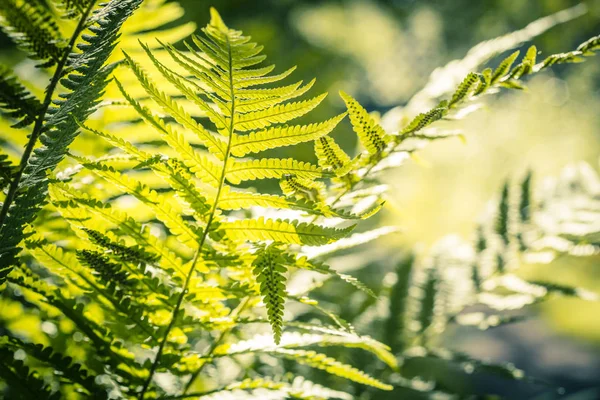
{"x": 213, "y": 210}
{"x": 39, "y": 122}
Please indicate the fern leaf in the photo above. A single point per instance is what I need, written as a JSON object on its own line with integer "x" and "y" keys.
{"x": 502, "y": 218}
{"x": 254, "y": 389}
{"x": 464, "y": 89}
{"x": 72, "y": 209}
{"x": 252, "y": 100}
{"x": 164, "y": 211}
{"x": 189, "y": 89}
{"x": 86, "y": 82}
{"x": 204, "y": 169}
{"x": 69, "y": 369}
{"x": 279, "y": 136}
{"x": 172, "y": 171}
{"x": 425, "y": 119}
{"x": 33, "y": 28}
{"x": 134, "y": 254}
{"x": 331, "y": 156}
{"x": 249, "y": 96}
{"x": 427, "y": 303}
{"x": 331, "y": 366}
{"x": 525, "y": 202}
{"x": 244, "y": 81}
{"x": 357, "y": 284}
{"x": 269, "y": 270}
{"x": 322, "y": 336}
{"x": 504, "y": 66}
{"x": 348, "y": 242}
{"x": 302, "y": 188}
{"x": 7, "y": 170}
{"x": 444, "y": 79}
{"x": 396, "y": 329}
{"x": 108, "y": 271}
{"x": 25, "y": 383}
{"x": 282, "y": 231}
{"x": 238, "y": 200}
{"x": 322, "y": 268}
{"x": 16, "y": 99}
{"x": 371, "y": 135}
{"x": 278, "y": 114}
{"x": 591, "y": 45}
{"x": 271, "y": 168}
{"x": 527, "y": 64}
{"x": 213, "y": 143}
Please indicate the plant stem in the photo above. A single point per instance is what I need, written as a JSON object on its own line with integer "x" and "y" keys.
{"x": 39, "y": 122}
{"x": 211, "y": 217}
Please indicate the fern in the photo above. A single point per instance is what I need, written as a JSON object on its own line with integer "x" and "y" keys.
{"x": 162, "y": 260}
{"x": 269, "y": 270}
{"x": 34, "y": 29}
{"x": 118, "y": 273}
{"x": 54, "y": 126}
{"x": 17, "y": 100}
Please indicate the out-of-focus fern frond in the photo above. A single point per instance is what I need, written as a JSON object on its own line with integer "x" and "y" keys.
{"x": 17, "y": 100}
{"x": 34, "y": 29}
{"x": 444, "y": 79}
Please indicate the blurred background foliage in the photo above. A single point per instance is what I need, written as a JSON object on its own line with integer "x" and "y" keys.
{"x": 383, "y": 52}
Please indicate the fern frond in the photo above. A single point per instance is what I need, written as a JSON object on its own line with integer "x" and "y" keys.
{"x": 504, "y": 66}
{"x": 271, "y": 168}
{"x": 464, "y": 89}
{"x": 396, "y": 324}
{"x": 444, "y": 79}
{"x": 269, "y": 270}
{"x": 279, "y": 136}
{"x": 371, "y": 134}
{"x": 425, "y": 119}
{"x": 16, "y": 99}
{"x": 172, "y": 171}
{"x": 32, "y": 27}
{"x": 69, "y": 369}
{"x": 252, "y": 100}
{"x": 591, "y": 45}
{"x": 276, "y": 115}
{"x": 254, "y": 389}
{"x": 322, "y": 336}
{"x": 204, "y": 169}
{"x": 348, "y": 242}
{"x": 302, "y": 188}
{"x": 72, "y": 203}
{"x": 25, "y": 383}
{"x": 7, "y": 170}
{"x": 331, "y": 366}
{"x": 86, "y": 82}
{"x": 331, "y": 156}
{"x": 502, "y": 220}
{"x": 282, "y": 231}
{"x": 213, "y": 143}
{"x": 165, "y": 212}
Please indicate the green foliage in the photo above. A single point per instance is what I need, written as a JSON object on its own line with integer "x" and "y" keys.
{"x": 17, "y": 100}
{"x": 149, "y": 252}
{"x": 269, "y": 271}
{"x": 84, "y": 74}
{"x": 32, "y": 27}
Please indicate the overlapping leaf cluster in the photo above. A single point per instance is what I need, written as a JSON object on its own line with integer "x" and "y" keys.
{"x": 156, "y": 257}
